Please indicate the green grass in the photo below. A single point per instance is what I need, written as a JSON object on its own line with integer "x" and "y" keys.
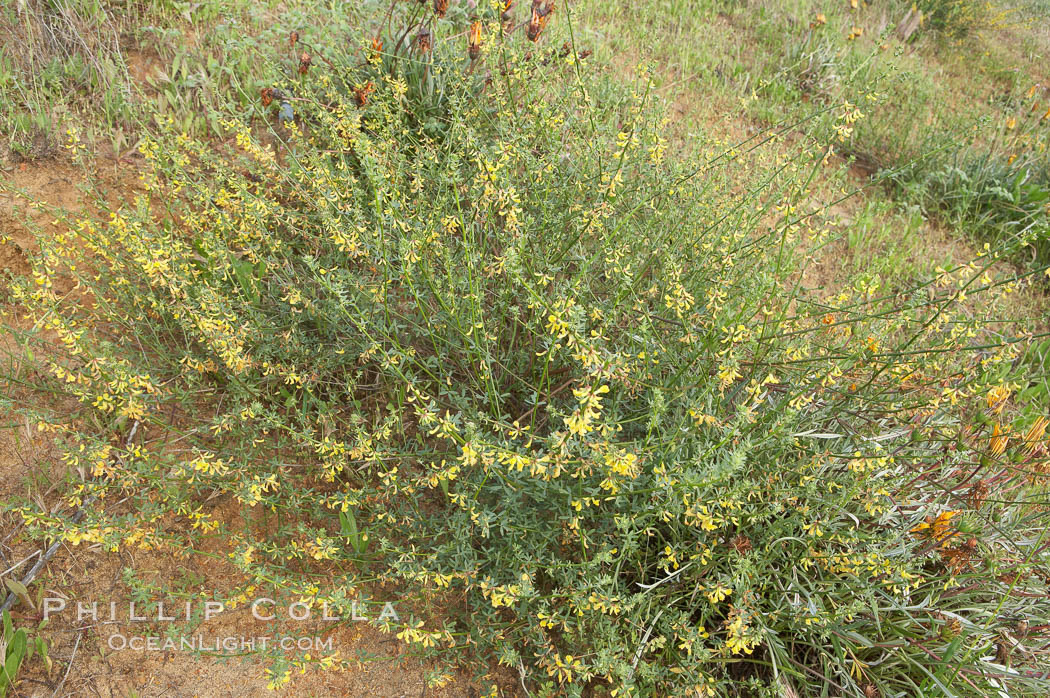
{"x": 124, "y": 67}
{"x": 886, "y": 241}
{"x": 927, "y": 113}
{"x": 120, "y": 67}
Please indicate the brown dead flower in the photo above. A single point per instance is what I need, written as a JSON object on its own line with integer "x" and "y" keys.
{"x": 424, "y": 41}
{"x": 741, "y": 544}
{"x": 541, "y": 14}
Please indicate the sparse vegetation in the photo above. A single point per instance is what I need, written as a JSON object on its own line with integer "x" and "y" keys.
{"x": 17, "y": 647}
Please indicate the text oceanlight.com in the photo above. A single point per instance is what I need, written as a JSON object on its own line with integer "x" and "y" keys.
{"x": 226, "y": 645}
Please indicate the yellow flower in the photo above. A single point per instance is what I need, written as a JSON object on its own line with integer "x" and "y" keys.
{"x": 726, "y": 375}
{"x": 718, "y": 593}
{"x": 562, "y": 668}
{"x": 739, "y": 639}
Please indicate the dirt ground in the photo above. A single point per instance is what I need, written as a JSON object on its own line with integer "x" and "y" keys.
{"x": 89, "y": 655}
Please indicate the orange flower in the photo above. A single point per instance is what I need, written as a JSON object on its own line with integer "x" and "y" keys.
{"x": 937, "y": 527}
{"x": 541, "y": 14}
{"x": 474, "y": 40}
{"x": 361, "y": 93}
{"x": 997, "y": 398}
{"x": 1035, "y": 434}
{"x": 999, "y": 441}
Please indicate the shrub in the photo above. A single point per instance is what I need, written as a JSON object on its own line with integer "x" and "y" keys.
{"x": 955, "y": 18}
{"x": 470, "y": 328}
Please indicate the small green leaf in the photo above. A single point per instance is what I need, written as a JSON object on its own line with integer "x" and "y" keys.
{"x": 19, "y": 590}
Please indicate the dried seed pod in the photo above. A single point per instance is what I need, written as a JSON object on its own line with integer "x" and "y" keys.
{"x": 566, "y": 49}
{"x": 304, "y": 63}
{"x": 1002, "y": 652}
{"x": 741, "y": 544}
{"x": 440, "y": 7}
{"x": 423, "y": 40}
{"x": 474, "y": 40}
{"x": 978, "y": 493}
{"x": 293, "y": 38}
{"x": 267, "y": 94}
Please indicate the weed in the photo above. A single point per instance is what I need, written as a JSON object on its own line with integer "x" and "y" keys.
{"x": 16, "y": 646}
{"x": 955, "y": 18}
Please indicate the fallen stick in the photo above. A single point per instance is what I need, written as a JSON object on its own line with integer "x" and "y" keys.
{"x": 53, "y": 548}
{"x": 50, "y": 553}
